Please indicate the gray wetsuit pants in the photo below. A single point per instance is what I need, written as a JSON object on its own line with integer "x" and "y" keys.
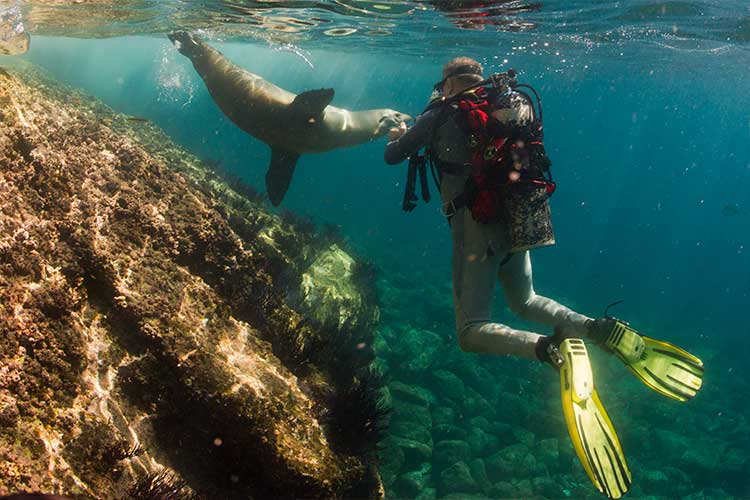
{"x": 478, "y": 250}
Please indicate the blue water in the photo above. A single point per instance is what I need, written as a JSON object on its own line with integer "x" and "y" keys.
{"x": 650, "y": 144}
{"x": 646, "y": 152}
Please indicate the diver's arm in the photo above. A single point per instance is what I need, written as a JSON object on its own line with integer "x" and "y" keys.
{"x": 412, "y": 140}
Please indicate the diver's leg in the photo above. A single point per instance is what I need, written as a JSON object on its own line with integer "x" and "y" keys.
{"x": 474, "y": 271}
{"x": 517, "y": 281}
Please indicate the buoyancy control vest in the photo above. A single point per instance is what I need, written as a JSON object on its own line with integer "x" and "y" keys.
{"x": 509, "y": 170}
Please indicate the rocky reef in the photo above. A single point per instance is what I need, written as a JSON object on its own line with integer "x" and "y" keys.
{"x": 466, "y": 426}
{"x": 162, "y": 335}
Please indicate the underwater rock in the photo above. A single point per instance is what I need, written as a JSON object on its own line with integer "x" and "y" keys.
{"x": 655, "y": 482}
{"x": 680, "y": 483}
{"x": 451, "y": 387}
{"x": 143, "y": 323}
{"x": 457, "y": 479}
{"x": 514, "y": 461}
{"x": 411, "y": 483}
{"x": 447, "y": 453}
{"x": 525, "y": 488}
{"x": 547, "y": 487}
{"x": 409, "y": 412}
{"x": 523, "y": 436}
{"x": 547, "y": 452}
{"x": 502, "y": 489}
{"x": 513, "y": 408}
{"x": 700, "y": 460}
{"x": 666, "y": 442}
{"x": 410, "y": 430}
{"x": 444, "y": 432}
{"x": 481, "y": 443}
{"x": 411, "y": 393}
{"x": 427, "y": 494}
{"x": 392, "y": 460}
{"x": 415, "y": 453}
{"x": 416, "y": 350}
{"x": 479, "y": 473}
{"x": 443, "y": 415}
{"x": 330, "y": 294}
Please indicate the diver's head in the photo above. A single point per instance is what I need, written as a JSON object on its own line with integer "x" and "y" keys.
{"x": 459, "y": 74}
{"x": 390, "y": 118}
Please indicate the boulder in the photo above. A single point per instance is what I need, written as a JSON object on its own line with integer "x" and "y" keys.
{"x": 443, "y": 415}
{"x": 449, "y": 452}
{"x": 411, "y": 393}
{"x": 511, "y": 462}
{"x": 451, "y": 387}
{"x": 446, "y": 432}
{"x": 410, "y": 430}
{"x": 457, "y": 479}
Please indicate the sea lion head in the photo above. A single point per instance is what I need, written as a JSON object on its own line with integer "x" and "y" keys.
{"x": 390, "y": 118}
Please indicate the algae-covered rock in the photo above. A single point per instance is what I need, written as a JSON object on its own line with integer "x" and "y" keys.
{"x": 392, "y": 460}
{"x": 427, "y": 494}
{"x": 547, "y": 452}
{"x": 523, "y": 436}
{"x": 409, "y": 412}
{"x": 416, "y": 350}
{"x": 502, "y": 489}
{"x": 444, "y": 432}
{"x": 457, "y": 479}
{"x": 668, "y": 443}
{"x": 411, "y": 393}
{"x": 700, "y": 460}
{"x": 480, "y": 442}
{"x": 547, "y": 487}
{"x": 144, "y": 325}
{"x": 447, "y": 453}
{"x": 451, "y": 387}
{"x": 410, "y": 430}
{"x": 479, "y": 473}
{"x": 443, "y": 415}
{"x": 415, "y": 453}
{"x": 511, "y": 462}
{"x": 410, "y": 484}
{"x": 330, "y": 293}
{"x": 655, "y": 482}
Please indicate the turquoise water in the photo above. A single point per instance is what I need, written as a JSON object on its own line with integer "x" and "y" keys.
{"x": 647, "y": 119}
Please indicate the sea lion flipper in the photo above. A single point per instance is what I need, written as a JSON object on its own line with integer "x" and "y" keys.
{"x": 186, "y": 43}
{"x": 311, "y": 103}
{"x": 279, "y": 174}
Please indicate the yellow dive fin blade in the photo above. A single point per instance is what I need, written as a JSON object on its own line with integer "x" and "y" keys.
{"x": 589, "y": 426}
{"x": 665, "y": 368}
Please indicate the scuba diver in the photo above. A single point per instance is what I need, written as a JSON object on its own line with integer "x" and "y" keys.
{"x": 484, "y": 143}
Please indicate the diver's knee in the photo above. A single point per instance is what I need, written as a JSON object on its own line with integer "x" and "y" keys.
{"x": 519, "y": 307}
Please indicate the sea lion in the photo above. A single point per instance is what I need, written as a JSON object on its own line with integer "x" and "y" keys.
{"x": 290, "y": 124}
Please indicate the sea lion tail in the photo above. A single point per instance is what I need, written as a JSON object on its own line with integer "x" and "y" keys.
{"x": 279, "y": 174}
{"x": 186, "y": 43}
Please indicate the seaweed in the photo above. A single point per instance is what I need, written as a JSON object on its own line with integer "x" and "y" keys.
{"x": 234, "y": 181}
{"x": 364, "y": 276}
{"x": 97, "y": 451}
{"x": 161, "y": 486}
{"x": 358, "y": 417}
